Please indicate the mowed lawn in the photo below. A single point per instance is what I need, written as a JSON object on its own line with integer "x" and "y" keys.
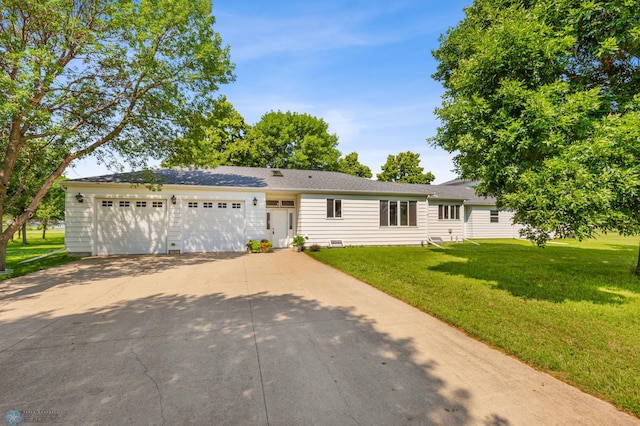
{"x": 17, "y": 252}
{"x": 572, "y": 309}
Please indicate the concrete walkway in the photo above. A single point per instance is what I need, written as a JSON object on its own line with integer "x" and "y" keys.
{"x": 260, "y": 339}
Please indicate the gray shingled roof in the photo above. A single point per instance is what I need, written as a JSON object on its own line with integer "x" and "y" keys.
{"x": 298, "y": 180}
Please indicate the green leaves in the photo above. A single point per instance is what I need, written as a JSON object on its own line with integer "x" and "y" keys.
{"x": 349, "y": 164}
{"x": 540, "y": 105}
{"x": 296, "y": 141}
{"x": 405, "y": 168}
{"x": 110, "y": 78}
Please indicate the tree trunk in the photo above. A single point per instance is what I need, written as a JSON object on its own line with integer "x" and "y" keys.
{"x": 44, "y": 229}
{"x": 24, "y": 234}
{"x": 3, "y": 253}
{"x": 638, "y": 264}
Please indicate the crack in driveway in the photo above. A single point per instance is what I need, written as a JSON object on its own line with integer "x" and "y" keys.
{"x": 146, "y": 373}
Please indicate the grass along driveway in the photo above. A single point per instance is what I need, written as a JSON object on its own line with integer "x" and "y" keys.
{"x": 17, "y": 253}
{"x": 572, "y": 309}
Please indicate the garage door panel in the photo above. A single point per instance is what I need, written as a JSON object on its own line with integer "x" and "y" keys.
{"x": 131, "y": 227}
{"x": 213, "y": 226}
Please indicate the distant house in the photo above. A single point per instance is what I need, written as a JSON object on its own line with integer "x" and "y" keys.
{"x": 219, "y": 210}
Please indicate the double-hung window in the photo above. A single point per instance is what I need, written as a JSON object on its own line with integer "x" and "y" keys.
{"x": 398, "y": 213}
{"x": 334, "y": 208}
{"x": 494, "y": 216}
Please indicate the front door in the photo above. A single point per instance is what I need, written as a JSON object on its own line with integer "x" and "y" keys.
{"x": 278, "y": 227}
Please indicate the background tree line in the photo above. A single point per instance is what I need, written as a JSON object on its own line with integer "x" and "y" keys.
{"x": 286, "y": 140}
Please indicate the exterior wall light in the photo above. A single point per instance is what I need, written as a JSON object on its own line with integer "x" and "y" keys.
{"x": 79, "y": 197}
{"x": 173, "y": 199}
{"x": 255, "y": 201}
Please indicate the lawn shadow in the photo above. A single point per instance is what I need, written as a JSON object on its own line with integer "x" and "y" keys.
{"x": 218, "y": 359}
{"x": 553, "y": 273}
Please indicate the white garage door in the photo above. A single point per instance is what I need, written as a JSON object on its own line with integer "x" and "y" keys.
{"x": 131, "y": 227}
{"x": 210, "y": 226}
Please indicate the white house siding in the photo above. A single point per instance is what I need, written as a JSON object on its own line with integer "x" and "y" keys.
{"x": 78, "y": 234}
{"x": 360, "y": 221}
{"x": 479, "y": 223}
{"x": 80, "y": 220}
{"x": 447, "y": 229}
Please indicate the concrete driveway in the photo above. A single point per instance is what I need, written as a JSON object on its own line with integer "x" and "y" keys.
{"x": 275, "y": 339}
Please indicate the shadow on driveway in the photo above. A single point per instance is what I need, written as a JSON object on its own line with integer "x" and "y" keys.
{"x": 86, "y": 271}
{"x": 214, "y": 359}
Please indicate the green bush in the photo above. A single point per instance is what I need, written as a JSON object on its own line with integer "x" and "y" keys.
{"x": 253, "y": 246}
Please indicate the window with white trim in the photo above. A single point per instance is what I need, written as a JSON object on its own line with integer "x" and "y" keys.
{"x": 124, "y": 204}
{"x": 287, "y": 203}
{"x": 159, "y": 204}
{"x": 398, "y": 213}
{"x": 107, "y": 203}
{"x": 273, "y": 203}
{"x": 449, "y": 212}
{"x": 193, "y": 204}
{"x": 222, "y": 205}
{"x": 494, "y": 216}
{"x": 141, "y": 204}
{"x": 207, "y": 205}
{"x": 334, "y": 208}
{"x": 236, "y": 205}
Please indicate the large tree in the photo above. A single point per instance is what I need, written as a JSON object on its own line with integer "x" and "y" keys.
{"x": 349, "y": 164}
{"x": 295, "y": 141}
{"x": 217, "y": 137}
{"x": 542, "y": 105}
{"x": 405, "y": 168}
{"x": 110, "y": 78}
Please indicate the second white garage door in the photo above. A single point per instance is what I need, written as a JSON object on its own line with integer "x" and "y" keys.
{"x": 212, "y": 226}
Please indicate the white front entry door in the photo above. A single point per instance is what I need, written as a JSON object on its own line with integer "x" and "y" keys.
{"x": 278, "y": 227}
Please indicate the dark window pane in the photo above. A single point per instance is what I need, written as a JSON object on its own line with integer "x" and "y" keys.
{"x": 338, "y": 208}
{"x": 329, "y": 207}
{"x": 413, "y": 213}
{"x": 384, "y": 213}
{"x": 404, "y": 220}
{"x": 393, "y": 213}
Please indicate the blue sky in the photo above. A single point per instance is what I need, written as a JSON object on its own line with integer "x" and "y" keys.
{"x": 363, "y": 66}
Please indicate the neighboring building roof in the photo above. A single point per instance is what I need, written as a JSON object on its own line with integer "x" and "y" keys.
{"x": 458, "y": 192}
{"x": 287, "y": 179}
{"x": 461, "y": 182}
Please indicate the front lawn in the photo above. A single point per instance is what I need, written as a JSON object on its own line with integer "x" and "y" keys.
{"x": 16, "y": 252}
{"x": 572, "y": 309}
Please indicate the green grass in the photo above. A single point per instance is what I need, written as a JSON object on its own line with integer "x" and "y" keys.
{"x": 16, "y": 252}
{"x": 572, "y": 309}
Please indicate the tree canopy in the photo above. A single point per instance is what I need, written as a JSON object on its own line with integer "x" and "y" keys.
{"x": 350, "y": 165}
{"x": 542, "y": 106}
{"x": 291, "y": 140}
{"x": 286, "y": 140}
{"x": 405, "y": 168}
{"x": 108, "y": 78}
{"x": 218, "y": 137}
